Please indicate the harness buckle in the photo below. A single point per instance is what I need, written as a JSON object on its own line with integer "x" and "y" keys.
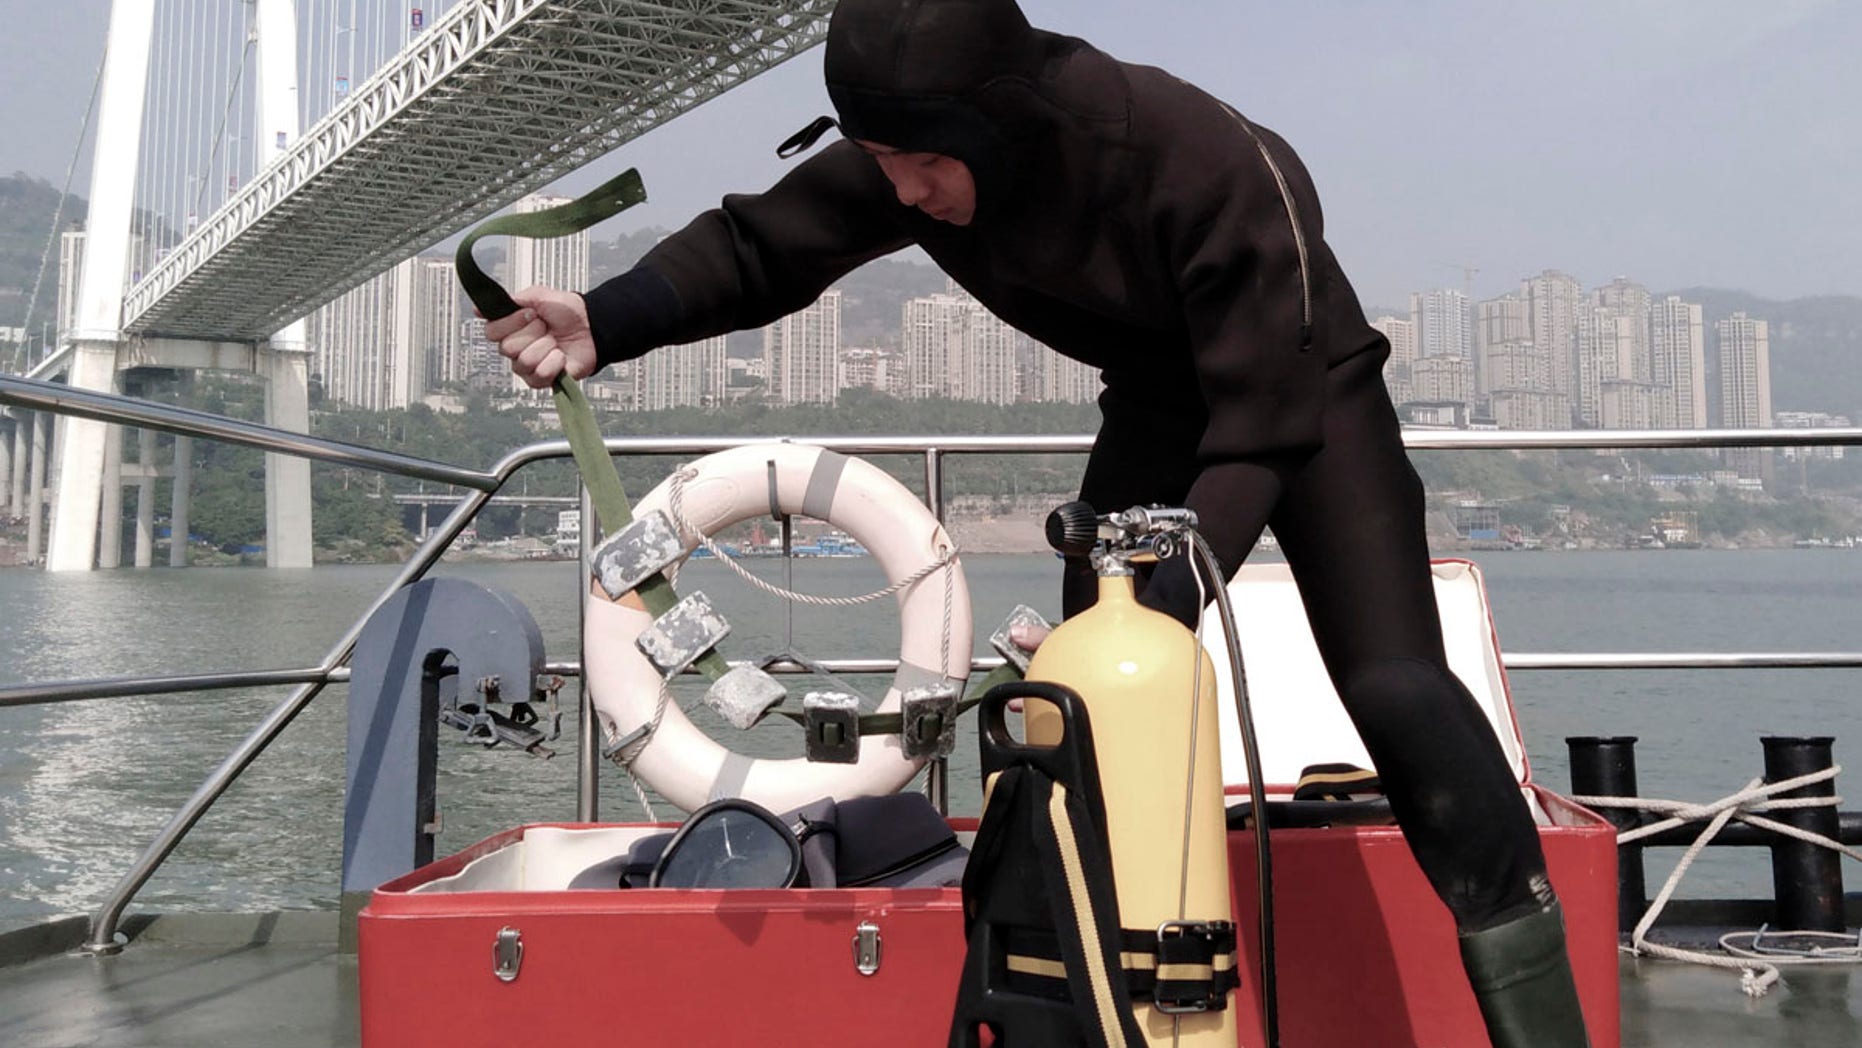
{"x": 1187, "y": 951}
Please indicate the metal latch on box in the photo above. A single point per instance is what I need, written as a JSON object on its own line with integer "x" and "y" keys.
{"x": 866, "y": 948}
{"x": 507, "y": 954}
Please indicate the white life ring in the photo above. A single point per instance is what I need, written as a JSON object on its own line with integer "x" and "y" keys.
{"x": 690, "y": 769}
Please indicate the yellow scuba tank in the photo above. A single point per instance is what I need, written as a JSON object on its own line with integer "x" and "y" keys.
{"x": 1150, "y": 691}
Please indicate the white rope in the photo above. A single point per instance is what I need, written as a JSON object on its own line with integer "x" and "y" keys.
{"x": 1759, "y": 970}
{"x": 628, "y": 754}
{"x": 945, "y": 562}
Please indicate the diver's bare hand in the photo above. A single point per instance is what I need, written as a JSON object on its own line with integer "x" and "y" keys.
{"x": 1027, "y": 638}
{"x": 545, "y": 338}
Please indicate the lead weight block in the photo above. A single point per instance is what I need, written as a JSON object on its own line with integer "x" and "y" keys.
{"x": 929, "y": 725}
{"x": 832, "y": 722}
{"x": 744, "y": 696}
{"x": 1023, "y": 615}
{"x": 633, "y": 554}
{"x": 676, "y": 639}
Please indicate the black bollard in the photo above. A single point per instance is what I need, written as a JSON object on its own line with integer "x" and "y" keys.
{"x": 1807, "y": 879}
{"x": 1606, "y": 767}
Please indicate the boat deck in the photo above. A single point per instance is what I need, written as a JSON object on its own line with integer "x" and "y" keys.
{"x": 279, "y": 980}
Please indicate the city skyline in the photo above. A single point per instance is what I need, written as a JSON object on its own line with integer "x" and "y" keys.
{"x": 1444, "y": 135}
{"x": 1548, "y": 355}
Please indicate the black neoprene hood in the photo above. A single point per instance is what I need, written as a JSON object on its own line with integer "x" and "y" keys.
{"x": 937, "y": 76}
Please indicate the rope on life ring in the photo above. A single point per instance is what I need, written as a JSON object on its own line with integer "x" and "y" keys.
{"x": 688, "y": 767}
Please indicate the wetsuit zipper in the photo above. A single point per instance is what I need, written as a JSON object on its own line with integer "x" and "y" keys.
{"x": 1293, "y": 220}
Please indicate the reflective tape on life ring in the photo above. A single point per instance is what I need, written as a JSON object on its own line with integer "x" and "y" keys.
{"x": 689, "y": 768}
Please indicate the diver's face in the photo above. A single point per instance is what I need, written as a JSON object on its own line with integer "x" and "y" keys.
{"x": 938, "y": 185}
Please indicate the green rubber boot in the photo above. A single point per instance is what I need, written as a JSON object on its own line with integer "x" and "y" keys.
{"x": 1521, "y": 976}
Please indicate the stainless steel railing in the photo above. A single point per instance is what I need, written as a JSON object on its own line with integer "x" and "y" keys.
{"x": 34, "y": 395}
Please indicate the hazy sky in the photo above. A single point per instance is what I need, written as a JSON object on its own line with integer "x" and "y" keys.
{"x": 1678, "y": 142}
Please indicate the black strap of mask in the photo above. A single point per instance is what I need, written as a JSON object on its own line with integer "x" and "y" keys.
{"x": 806, "y": 137}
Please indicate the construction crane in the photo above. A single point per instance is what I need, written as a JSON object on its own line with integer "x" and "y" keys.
{"x": 1467, "y": 277}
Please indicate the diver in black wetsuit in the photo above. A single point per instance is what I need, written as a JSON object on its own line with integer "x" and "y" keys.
{"x": 1131, "y": 221}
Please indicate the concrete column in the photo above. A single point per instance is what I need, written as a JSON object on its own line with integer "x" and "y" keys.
{"x": 35, "y": 488}
{"x": 145, "y": 499}
{"x": 178, "y": 502}
{"x": 98, "y": 326}
{"x": 22, "y": 455}
{"x": 287, "y": 477}
{"x": 286, "y": 365}
{"x": 110, "y": 523}
{"x": 10, "y": 427}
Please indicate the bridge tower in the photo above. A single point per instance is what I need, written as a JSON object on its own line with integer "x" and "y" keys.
{"x": 89, "y": 453}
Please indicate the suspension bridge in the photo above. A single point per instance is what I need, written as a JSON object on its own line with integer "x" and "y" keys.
{"x": 255, "y": 160}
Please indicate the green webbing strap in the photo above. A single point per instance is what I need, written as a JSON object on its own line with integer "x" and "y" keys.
{"x": 605, "y": 492}
{"x": 609, "y": 199}
{"x": 894, "y": 723}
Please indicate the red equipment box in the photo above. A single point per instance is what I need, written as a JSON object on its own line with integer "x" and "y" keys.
{"x": 1366, "y": 955}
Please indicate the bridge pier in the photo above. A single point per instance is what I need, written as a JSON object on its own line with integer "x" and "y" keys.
{"x": 145, "y": 499}
{"x": 110, "y": 524}
{"x": 35, "y": 487}
{"x": 178, "y": 502}
{"x": 286, "y": 368}
{"x": 9, "y": 441}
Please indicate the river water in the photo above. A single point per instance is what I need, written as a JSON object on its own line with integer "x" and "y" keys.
{"x": 85, "y": 785}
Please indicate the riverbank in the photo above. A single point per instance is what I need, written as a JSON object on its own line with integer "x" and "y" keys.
{"x": 980, "y": 524}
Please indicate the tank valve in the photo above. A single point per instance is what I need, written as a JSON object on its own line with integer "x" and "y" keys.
{"x": 1113, "y": 539}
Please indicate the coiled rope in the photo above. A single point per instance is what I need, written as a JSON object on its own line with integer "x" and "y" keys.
{"x": 1758, "y": 966}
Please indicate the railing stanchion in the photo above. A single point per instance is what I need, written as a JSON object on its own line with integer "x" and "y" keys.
{"x": 937, "y": 774}
{"x": 588, "y": 728}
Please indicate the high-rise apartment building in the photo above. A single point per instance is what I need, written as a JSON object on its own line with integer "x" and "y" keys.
{"x": 1555, "y": 302}
{"x": 1530, "y": 409}
{"x": 375, "y": 345}
{"x": 558, "y": 262}
{"x": 1051, "y": 378}
{"x": 987, "y": 371}
{"x": 1517, "y": 365}
{"x": 1443, "y": 325}
{"x": 1626, "y": 298}
{"x": 1606, "y": 352}
{"x": 1443, "y": 380}
{"x": 1503, "y": 321}
{"x": 1678, "y": 361}
{"x": 1745, "y": 386}
{"x": 1401, "y": 335}
{"x": 687, "y": 376}
{"x": 1811, "y": 420}
{"x": 484, "y": 368}
{"x": 1628, "y": 404}
{"x": 801, "y": 353}
{"x": 931, "y": 334}
{"x": 438, "y": 335}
